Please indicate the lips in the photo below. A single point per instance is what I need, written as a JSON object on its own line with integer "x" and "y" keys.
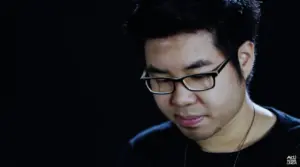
{"x": 189, "y": 121}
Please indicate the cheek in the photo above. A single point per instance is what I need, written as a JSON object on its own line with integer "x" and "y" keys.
{"x": 162, "y": 101}
{"x": 226, "y": 92}
{"x": 164, "y": 105}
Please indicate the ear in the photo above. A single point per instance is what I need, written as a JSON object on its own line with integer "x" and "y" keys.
{"x": 246, "y": 57}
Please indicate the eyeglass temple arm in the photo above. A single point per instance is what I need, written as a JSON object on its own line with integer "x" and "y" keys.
{"x": 219, "y": 69}
{"x": 143, "y": 75}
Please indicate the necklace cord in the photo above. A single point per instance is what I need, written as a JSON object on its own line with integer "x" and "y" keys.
{"x": 239, "y": 147}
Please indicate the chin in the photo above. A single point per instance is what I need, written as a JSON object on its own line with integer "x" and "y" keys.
{"x": 197, "y": 134}
{"x": 198, "y": 137}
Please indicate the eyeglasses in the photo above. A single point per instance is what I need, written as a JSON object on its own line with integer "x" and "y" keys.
{"x": 194, "y": 82}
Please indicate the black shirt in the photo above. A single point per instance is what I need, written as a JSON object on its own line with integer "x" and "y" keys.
{"x": 164, "y": 146}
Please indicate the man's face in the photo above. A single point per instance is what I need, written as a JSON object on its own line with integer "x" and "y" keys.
{"x": 198, "y": 115}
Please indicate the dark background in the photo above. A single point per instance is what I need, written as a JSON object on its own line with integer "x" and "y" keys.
{"x": 78, "y": 97}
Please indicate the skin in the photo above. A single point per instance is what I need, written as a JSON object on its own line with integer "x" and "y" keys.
{"x": 227, "y": 108}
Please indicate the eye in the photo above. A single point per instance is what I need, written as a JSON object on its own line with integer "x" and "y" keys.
{"x": 199, "y": 77}
{"x": 199, "y": 82}
{"x": 162, "y": 80}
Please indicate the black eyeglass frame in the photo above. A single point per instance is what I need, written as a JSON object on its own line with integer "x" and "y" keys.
{"x": 214, "y": 73}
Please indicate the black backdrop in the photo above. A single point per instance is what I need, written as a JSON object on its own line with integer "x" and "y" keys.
{"x": 79, "y": 98}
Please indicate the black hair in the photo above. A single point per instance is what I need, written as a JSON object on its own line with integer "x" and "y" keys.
{"x": 232, "y": 22}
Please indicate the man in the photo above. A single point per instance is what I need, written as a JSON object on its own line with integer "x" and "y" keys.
{"x": 199, "y": 58}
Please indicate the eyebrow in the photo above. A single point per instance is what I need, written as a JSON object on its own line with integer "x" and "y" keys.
{"x": 198, "y": 64}
{"x": 194, "y": 65}
{"x": 152, "y": 69}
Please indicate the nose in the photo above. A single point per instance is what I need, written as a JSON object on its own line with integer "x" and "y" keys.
{"x": 182, "y": 96}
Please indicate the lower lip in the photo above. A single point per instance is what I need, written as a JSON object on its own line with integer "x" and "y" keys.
{"x": 189, "y": 122}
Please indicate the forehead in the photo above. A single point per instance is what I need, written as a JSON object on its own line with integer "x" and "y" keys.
{"x": 180, "y": 49}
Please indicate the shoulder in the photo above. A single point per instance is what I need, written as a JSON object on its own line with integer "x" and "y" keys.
{"x": 288, "y": 125}
{"x": 285, "y": 120}
{"x": 157, "y": 135}
{"x": 149, "y": 145}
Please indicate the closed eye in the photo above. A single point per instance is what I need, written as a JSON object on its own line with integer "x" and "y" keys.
{"x": 162, "y": 80}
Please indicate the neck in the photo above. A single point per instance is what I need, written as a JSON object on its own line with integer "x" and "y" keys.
{"x": 232, "y": 134}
